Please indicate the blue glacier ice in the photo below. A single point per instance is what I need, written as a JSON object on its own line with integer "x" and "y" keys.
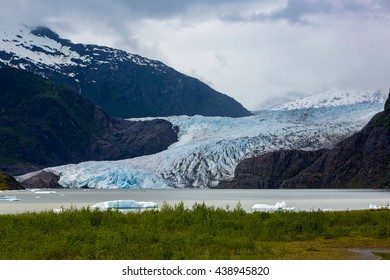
{"x": 209, "y": 148}
{"x": 126, "y": 205}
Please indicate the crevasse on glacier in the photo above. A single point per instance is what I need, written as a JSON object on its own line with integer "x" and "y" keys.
{"x": 209, "y": 148}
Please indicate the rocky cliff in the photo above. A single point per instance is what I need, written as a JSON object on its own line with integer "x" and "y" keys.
{"x": 43, "y": 124}
{"x": 270, "y": 170}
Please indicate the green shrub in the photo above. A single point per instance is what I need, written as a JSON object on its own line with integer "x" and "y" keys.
{"x": 176, "y": 232}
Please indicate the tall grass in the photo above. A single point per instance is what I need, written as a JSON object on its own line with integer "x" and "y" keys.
{"x": 176, "y": 232}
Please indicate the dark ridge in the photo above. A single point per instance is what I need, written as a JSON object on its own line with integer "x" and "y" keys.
{"x": 43, "y": 124}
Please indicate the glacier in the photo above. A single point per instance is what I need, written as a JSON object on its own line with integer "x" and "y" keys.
{"x": 209, "y": 148}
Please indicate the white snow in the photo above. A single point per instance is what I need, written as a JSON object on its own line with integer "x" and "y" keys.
{"x": 209, "y": 148}
{"x": 335, "y": 97}
{"x": 21, "y": 43}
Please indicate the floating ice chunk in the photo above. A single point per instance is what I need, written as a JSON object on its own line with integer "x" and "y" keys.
{"x": 45, "y": 192}
{"x": 125, "y": 205}
{"x": 8, "y": 198}
{"x": 374, "y": 206}
{"x": 268, "y": 207}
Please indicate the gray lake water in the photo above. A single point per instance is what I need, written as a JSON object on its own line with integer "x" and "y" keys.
{"x": 324, "y": 199}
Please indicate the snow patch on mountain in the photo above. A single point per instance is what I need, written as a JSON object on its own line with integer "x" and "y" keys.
{"x": 44, "y": 48}
{"x": 23, "y": 44}
{"x": 335, "y": 97}
{"x": 209, "y": 148}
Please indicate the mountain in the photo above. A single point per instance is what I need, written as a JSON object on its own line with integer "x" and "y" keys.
{"x": 334, "y": 97}
{"x": 7, "y": 182}
{"x": 209, "y": 148}
{"x": 360, "y": 161}
{"x": 123, "y": 84}
{"x": 270, "y": 170}
{"x": 43, "y": 124}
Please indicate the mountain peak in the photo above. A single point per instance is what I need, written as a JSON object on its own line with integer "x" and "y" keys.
{"x": 123, "y": 84}
{"x": 43, "y": 31}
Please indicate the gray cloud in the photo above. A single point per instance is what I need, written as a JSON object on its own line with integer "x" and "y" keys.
{"x": 117, "y": 12}
{"x": 250, "y": 49}
{"x": 222, "y": 60}
{"x": 118, "y": 9}
{"x": 298, "y": 11}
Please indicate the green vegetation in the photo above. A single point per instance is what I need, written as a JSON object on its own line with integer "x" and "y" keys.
{"x": 42, "y": 123}
{"x": 385, "y": 256}
{"x": 8, "y": 182}
{"x": 198, "y": 233}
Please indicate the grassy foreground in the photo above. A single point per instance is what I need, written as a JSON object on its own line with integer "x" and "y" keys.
{"x": 198, "y": 233}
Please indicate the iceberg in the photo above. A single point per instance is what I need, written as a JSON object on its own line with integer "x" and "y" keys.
{"x": 45, "y": 192}
{"x": 374, "y": 206}
{"x": 8, "y": 198}
{"x": 269, "y": 208}
{"x": 126, "y": 205}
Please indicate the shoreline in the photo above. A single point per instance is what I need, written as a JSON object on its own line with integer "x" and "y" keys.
{"x": 35, "y": 200}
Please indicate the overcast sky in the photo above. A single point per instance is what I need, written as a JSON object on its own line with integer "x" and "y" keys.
{"x": 252, "y": 50}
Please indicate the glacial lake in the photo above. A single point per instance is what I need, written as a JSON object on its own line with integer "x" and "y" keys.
{"x": 323, "y": 199}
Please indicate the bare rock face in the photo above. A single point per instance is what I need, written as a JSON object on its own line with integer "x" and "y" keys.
{"x": 360, "y": 161}
{"x": 43, "y": 180}
{"x": 125, "y": 139}
{"x": 270, "y": 170}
